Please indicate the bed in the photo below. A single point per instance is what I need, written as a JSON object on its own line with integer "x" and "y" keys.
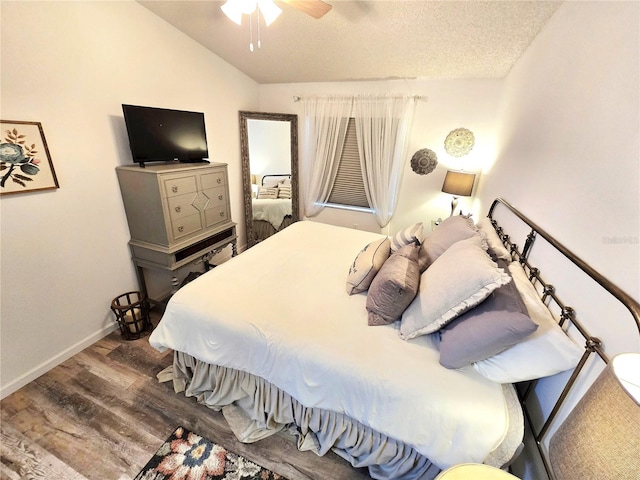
{"x": 271, "y": 207}
{"x": 294, "y": 334}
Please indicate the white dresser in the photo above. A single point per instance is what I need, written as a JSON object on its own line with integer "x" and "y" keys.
{"x": 177, "y": 213}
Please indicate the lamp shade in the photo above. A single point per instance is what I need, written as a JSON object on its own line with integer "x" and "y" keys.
{"x": 458, "y": 183}
{"x": 600, "y": 438}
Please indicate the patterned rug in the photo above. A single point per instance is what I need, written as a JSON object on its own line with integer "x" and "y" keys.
{"x": 187, "y": 456}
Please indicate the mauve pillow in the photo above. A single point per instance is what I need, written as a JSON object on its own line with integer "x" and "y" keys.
{"x": 496, "y": 324}
{"x": 394, "y": 287}
{"x": 547, "y": 351}
{"x": 366, "y": 265}
{"x": 450, "y": 231}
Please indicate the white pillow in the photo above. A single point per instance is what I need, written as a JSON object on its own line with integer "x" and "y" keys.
{"x": 405, "y": 237}
{"x": 545, "y": 352}
{"x": 462, "y": 277}
{"x": 284, "y": 191}
{"x": 268, "y": 192}
{"x": 493, "y": 240}
{"x": 366, "y": 265}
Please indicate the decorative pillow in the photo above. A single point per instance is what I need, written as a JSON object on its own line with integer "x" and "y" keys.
{"x": 394, "y": 287}
{"x": 496, "y": 324}
{"x": 450, "y": 231}
{"x": 545, "y": 352}
{"x": 366, "y": 265}
{"x": 461, "y": 278}
{"x": 284, "y": 191}
{"x": 407, "y": 236}
{"x": 268, "y": 192}
{"x": 493, "y": 240}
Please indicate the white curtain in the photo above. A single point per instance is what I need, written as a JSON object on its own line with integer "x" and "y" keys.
{"x": 382, "y": 129}
{"x": 325, "y": 130}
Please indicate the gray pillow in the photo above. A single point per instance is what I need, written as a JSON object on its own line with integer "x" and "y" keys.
{"x": 461, "y": 278}
{"x": 366, "y": 265}
{"x": 498, "y": 323}
{"x": 394, "y": 287}
{"x": 450, "y": 231}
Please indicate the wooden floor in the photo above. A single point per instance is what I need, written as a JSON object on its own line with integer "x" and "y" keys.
{"x": 102, "y": 414}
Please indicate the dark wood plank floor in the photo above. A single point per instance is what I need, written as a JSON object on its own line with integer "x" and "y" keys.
{"x": 102, "y": 414}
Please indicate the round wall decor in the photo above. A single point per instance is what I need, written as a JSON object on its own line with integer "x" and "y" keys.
{"x": 424, "y": 161}
{"x": 459, "y": 142}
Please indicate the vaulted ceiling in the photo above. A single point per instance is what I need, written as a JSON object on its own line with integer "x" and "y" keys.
{"x": 368, "y": 40}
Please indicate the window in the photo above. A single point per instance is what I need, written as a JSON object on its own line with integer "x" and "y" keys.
{"x": 348, "y": 188}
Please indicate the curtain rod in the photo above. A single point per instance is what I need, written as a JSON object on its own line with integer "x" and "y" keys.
{"x": 297, "y": 98}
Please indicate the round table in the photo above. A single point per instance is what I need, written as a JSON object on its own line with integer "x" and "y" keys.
{"x": 474, "y": 471}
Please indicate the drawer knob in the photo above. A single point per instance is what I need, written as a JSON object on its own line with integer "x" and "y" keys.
{"x": 219, "y": 197}
{"x": 222, "y": 214}
{"x": 174, "y": 189}
{"x": 181, "y": 229}
{"x": 219, "y": 180}
{"x": 177, "y": 209}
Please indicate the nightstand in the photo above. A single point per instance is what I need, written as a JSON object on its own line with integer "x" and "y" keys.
{"x": 474, "y": 471}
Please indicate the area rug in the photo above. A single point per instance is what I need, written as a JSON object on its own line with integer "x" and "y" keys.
{"x": 188, "y": 456}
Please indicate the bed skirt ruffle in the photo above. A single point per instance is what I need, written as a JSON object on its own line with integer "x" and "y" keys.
{"x": 255, "y": 409}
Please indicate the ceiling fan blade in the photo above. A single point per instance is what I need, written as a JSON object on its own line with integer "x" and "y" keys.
{"x": 315, "y": 8}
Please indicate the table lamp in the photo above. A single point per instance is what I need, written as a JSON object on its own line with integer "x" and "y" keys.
{"x": 458, "y": 184}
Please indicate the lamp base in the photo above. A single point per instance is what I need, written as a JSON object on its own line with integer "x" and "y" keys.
{"x": 454, "y": 204}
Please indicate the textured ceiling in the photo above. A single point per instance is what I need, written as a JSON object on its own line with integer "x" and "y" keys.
{"x": 368, "y": 40}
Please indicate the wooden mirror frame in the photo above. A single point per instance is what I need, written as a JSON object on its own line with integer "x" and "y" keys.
{"x": 246, "y": 168}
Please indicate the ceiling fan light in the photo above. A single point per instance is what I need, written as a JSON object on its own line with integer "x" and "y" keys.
{"x": 269, "y": 10}
{"x": 233, "y": 10}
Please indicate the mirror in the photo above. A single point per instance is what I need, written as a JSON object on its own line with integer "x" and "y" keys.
{"x": 269, "y": 149}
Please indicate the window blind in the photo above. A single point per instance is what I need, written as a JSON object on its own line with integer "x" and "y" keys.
{"x": 348, "y": 188}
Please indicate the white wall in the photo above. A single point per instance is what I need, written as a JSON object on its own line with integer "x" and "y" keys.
{"x": 571, "y": 128}
{"x": 70, "y": 66}
{"x": 269, "y": 147}
{"x": 569, "y": 158}
{"x": 449, "y": 104}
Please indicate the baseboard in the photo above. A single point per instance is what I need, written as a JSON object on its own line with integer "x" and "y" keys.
{"x": 44, "y": 367}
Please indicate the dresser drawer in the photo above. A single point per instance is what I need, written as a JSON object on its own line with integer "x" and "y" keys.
{"x": 214, "y": 179}
{"x": 181, "y": 206}
{"x": 216, "y": 215}
{"x": 217, "y": 197}
{"x": 182, "y": 227}
{"x": 179, "y": 185}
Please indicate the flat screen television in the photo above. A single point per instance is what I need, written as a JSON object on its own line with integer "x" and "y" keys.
{"x": 164, "y": 135}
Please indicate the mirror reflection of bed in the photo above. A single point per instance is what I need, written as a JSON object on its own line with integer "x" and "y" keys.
{"x": 270, "y": 204}
{"x": 269, "y": 147}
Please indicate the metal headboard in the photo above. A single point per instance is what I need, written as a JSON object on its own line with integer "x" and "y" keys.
{"x": 567, "y": 313}
{"x": 277, "y": 175}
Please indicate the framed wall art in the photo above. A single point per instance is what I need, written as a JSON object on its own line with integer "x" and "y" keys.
{"x": 25, "y": 163}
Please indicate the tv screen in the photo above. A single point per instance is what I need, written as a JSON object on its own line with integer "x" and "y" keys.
{"x": 160, "y": 134}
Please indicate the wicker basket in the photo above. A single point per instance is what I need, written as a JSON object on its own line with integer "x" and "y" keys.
{"x": 132, "y": 314}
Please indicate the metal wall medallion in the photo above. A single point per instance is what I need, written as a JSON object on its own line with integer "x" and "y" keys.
{"x": 424, "y": 161}
{"x": 459, "y": 142}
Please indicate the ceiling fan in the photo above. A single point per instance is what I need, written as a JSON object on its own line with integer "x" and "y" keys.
{"x": 234, "y": 9}
{"x": 315, "y": 8}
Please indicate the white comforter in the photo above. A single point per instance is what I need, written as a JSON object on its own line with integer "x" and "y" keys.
{"x": 280, "y": 311}
{"x": 272, "y": 210}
